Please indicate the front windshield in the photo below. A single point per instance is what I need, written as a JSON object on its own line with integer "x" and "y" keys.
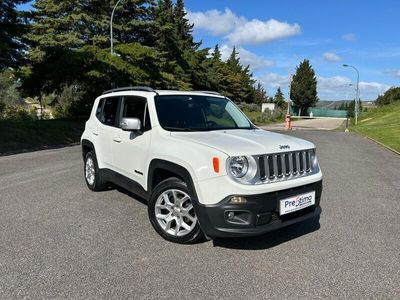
{"x": 199, "y": 113}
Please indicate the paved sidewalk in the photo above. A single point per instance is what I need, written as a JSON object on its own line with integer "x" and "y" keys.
{"x": 310, "y": 124}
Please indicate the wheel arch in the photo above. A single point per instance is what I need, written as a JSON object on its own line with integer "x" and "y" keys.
{"x": 87, "y": 146}
{"x": 169, "y": 169}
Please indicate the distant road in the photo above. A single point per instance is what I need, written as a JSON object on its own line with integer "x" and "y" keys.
{"x": 59, "y": 240}
{"x": 310, "y": 124}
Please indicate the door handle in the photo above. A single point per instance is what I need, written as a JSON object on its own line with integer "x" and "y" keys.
{"x": 95, "y": 133}
{"x": 117, "y": 139}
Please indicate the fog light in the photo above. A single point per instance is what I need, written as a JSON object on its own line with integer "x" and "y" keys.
{"x": 231, "y": 215}
{"x": 238, "y": 200}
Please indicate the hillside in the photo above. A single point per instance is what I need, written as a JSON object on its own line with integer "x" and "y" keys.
{"x": 382, "y": 124}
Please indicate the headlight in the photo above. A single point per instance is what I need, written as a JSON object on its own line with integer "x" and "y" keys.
{"x": 238, "y": 166}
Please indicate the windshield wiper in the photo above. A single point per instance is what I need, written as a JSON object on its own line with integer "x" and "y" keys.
{"x": 230, "y": 128}
{"x": 177, "y": 128}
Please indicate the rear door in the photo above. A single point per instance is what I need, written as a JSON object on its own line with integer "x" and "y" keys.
{"x": 107, "y": 130}
{"x": 131, "y": 152}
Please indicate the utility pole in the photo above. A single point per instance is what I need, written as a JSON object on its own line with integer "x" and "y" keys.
{"x": 111, "y": 27}
{"x": 357, "y": 100}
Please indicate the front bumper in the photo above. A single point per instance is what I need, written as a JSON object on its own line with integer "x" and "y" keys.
{"x": 259, "y": 215}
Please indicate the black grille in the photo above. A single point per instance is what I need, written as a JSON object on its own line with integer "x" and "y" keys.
{"x": 282, "y": 166}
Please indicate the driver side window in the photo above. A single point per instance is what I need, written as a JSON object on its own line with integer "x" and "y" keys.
{"x": 136, "y": 107}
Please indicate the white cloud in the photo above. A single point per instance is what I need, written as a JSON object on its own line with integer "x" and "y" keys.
{"x": 332, "y": 57}
{"x": 393, "y": 72}
{"x": 273, "y": 80}
{"x": 329, "y": 88}
{"x": 247, "y": 58}
{"x": 350, "y": 37}
{"x": 238, "y": 30}
{"x": 343, "y": 88}
{"x": 258, "y": 32}
{"x": 215, "y": 21}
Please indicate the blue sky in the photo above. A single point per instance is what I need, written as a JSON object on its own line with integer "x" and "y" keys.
{"x": 274, "y": 36}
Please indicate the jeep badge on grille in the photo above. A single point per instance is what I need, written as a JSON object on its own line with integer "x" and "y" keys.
{"x": 284, "y": 147}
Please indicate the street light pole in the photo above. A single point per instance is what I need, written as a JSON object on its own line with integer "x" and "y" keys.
{"x": 357, "y": 100}
{"x": 111, "y": 27}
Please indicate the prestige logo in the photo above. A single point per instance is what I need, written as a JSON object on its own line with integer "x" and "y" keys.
{"x": 299, "y": 201}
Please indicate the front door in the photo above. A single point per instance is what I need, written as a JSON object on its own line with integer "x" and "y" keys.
{"x": 130, "y": 149}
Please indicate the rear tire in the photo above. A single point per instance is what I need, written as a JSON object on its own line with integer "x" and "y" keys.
{"x": 92, "y": 173}
{"x": 171, "y": 212}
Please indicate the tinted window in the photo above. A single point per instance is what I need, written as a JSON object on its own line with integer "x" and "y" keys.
{"x": 110, "y": 108}
{"x": 135, "y": 107}
{"x": 199, "y": 113}
{"x": 99, "y": 109}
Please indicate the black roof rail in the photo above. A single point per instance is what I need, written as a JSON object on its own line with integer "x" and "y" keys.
{"x": 209, "y": 92}
{"x": 131, "y": 88}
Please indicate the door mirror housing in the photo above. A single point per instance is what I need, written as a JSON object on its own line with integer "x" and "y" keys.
{"x": 130, "y": 124}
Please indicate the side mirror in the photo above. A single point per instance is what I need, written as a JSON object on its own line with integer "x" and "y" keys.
{"x": 130, "y": 124}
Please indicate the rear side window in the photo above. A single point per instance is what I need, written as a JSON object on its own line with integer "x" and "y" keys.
{"x": 109, "y": 113}
{"x": 99, "y": 109}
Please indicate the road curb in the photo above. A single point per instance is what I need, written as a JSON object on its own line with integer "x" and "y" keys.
{"x": 35, "y": 149}
{"x": 379, "y": 143}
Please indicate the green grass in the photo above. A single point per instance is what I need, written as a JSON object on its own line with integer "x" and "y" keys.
{"x": 28, "y": 135}
{"x": 381, "y": 124}
{"x": 258, "y": 118}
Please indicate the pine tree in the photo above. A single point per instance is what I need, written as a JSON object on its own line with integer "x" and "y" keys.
{"x": 303, "y": 89}
{"x": 260, "y": 94}
{"x": 75, "y": 23}
{"x": 13, "y": 25}
{"x": 279, "y": 99}
{"x": 183, "y": 27}
{"x": 237, "y": 81}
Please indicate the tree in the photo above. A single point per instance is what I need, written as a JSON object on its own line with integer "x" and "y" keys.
{"x": 237, "y": 81}
{"x": 69, "y": 44}
{"x": 390, "y": 96}
{"x": 279, "y": 99}
{"x": 13, "y": 25}
{"x": 74, "y": 24}
{"x": 260, "y": 94}
{"x": 303, "y": 89}
{"x": 9, "y": 94}
{"x": 183, "y": 26}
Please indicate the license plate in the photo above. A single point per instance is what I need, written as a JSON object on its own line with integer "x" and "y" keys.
{"x": 296, "y": 203}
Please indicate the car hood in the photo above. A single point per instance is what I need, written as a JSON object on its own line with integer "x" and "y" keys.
{"x": 245, "y": 142}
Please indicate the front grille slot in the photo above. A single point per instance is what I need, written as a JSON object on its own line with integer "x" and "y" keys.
{"x": 301, "y": 162}
{"x": 294, "y": 158}
{"x": 284, "y": 166}
{"x": 287, "y": 166}
{"x": 261, "y": 163}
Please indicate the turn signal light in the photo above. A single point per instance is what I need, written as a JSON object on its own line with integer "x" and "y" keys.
{"x": 216, "y": 164}
{"x": 238, "y": 200}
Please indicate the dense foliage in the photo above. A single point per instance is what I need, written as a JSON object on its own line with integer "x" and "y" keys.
{"x": 390, "y": 96}
{"x": 303, "y": 89}
{"x": 279, "y": 99}
{"x": 13, "y": 27}
{"x": 68, "y": 52}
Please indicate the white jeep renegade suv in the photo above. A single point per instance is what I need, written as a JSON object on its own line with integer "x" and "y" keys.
{"x": 203, "y": 167}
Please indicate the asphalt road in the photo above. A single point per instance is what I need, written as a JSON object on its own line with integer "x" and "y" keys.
{"x": 59, "y": 240}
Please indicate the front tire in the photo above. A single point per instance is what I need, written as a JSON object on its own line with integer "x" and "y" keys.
{"x": 93, "y": 177}
{"x": 172, "y": 214}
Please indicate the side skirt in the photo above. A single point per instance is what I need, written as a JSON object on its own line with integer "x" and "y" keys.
{"x": 125, "y": 183}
